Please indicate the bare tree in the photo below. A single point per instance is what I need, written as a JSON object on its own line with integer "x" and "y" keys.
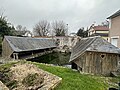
{"x": 42, "y": 28}
{"x": 20, "y": 30}
{"x": 19, "y": 27}
{"x": 59, "y": 28}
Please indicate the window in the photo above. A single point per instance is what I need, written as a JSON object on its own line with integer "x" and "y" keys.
{"x": 114, "y": 40}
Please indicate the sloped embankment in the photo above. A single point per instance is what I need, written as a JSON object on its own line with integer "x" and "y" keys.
{"x": 25, "y": 76}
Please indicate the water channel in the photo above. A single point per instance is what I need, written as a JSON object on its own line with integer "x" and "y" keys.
{"x": 56, "y": 58}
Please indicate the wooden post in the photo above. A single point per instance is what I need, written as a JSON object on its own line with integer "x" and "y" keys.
{"x": 32, "y": 54}
{"x": 16, "y": 55}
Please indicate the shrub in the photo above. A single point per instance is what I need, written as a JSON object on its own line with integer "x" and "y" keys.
{"x": 0, "y": 45}
{"x": 33, "y": 80}
{"x": 12, "y": 84}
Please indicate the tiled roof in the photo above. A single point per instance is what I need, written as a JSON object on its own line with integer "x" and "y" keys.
{"x": 114, "y": 15}
{"x": 100, "y": 34}
{"x": 101, "y": 28}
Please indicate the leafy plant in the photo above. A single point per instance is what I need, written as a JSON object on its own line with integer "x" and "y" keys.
{"x": 12, "y": 84}
{"x": 33, "y": 79}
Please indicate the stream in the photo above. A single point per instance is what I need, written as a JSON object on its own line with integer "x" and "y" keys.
{"x": 55, "y": 58}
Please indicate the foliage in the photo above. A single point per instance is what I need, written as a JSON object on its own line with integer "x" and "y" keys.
{"x": 12, "y": 84}
{"x": 5, "y": 27}
{"x": 71, "y": 80}
{"x": 33, "y": 79}
{"x": 59, "y": 28}
{"x": 0, "y": 45}
{"x": 82, "y": 33}
{"x": 5, "y": 76}
{"x": 41, "y": 28}
{"x": 4, "y": 67}
{"x": 20, "y": 30}
{"x": 55, "y": 58}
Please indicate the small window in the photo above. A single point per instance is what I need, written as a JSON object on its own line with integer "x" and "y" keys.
{"x": 102, "y": 56}
{"x": 114, "y": 41}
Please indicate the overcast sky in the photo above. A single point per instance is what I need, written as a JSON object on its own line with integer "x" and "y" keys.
{"x": 75, "y": 13}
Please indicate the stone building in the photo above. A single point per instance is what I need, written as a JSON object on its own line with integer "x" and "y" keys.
{"x": 66, "y": 42}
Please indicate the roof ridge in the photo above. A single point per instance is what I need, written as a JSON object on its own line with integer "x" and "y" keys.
{"x": 75, "y": 55}
{"x": 115, "y": 14}
{"x": 90, "y": 37}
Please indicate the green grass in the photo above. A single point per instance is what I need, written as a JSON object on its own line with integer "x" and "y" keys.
{"x": 72, "y": 80}
{"x": 5, "y": 75}
{"x": 75, "y": 81}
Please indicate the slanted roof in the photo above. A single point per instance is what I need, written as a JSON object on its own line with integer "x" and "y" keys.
{"x": 96, "y": 44}
{"x": 100, "y": 34}
{"x": 100, "y": 28}
{"x": 114, "y": 15}
{"x": 19, "y": 44}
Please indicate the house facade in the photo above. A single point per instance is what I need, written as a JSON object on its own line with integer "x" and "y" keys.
{"x": 66, "y": 42}
{"x": 114, "y": 33}
{"x": 99, "y": 30}
{"x": 63, "y": 43}
{"x": 95, "y": 55}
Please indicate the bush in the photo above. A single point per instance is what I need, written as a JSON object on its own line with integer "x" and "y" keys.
{"x": 12, "y": 84}
{"x": 0, "y": 45}
{"x": 33, "y": 80}
{"x": 5, "y": 78}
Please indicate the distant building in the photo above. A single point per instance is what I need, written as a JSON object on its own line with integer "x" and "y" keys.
{"x": 66, "y": 42}
{"x": 99, "y": 30}
{"x": 26, "y": 33}
{"x": 95, "y": 55}
{"x": 114, "y": 33}
{"x": 25, "y": 47}
{"x": 72, "y": 34}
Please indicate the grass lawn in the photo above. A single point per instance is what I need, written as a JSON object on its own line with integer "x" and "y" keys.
{"x": 72, "y": 80}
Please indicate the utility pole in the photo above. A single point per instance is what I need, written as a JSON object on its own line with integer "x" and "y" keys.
{"x": 67, "y": 29}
